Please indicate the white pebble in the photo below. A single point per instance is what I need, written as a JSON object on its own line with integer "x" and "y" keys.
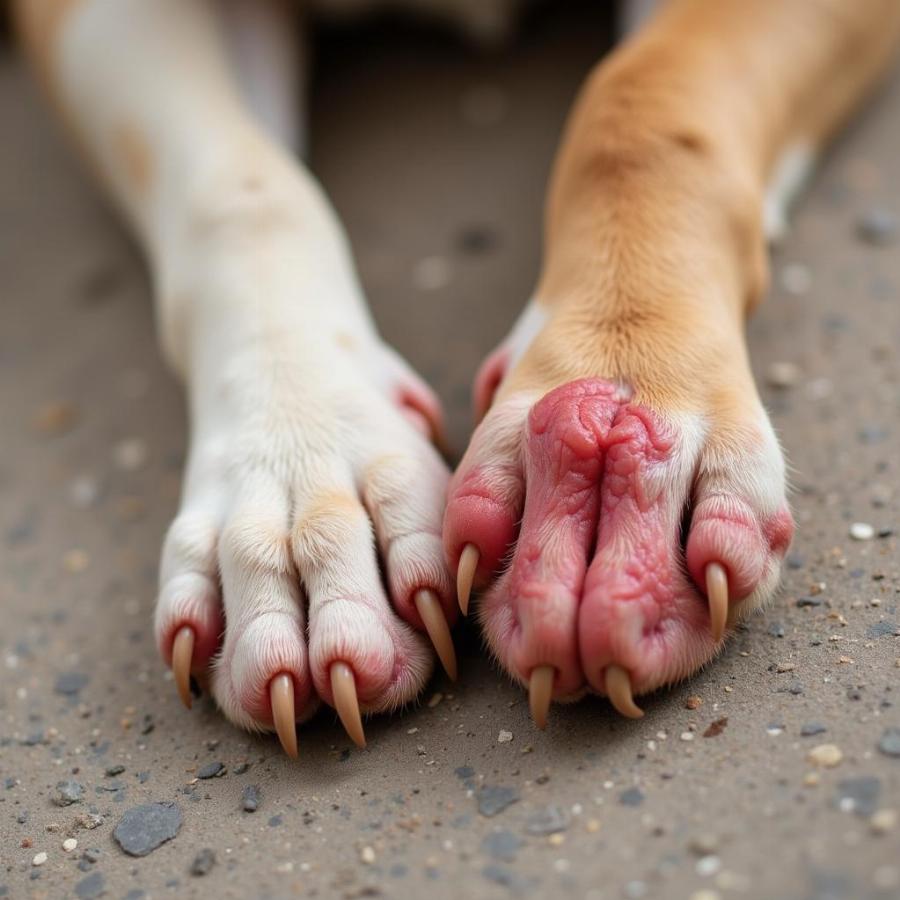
{"x": 504, "y": 737}
{"x": 796, "y": 278}
{"x": 862, "y": 531}
{"x": 83, "y": 492}
{"x": 69, "y": 844}
{"x": 367, "y": 855}
{"x": 39, "y": 859}
{"x": 707, "y": 866}
{"x": 826, "y": 755}
{"x": 130, "y": 454}
{"x": 783, "y": 374}
{"x": 687, "y": 735}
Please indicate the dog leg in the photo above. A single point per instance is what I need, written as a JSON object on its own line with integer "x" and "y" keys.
{"x": 305, "y": 561}
{"x": 625, "y": 486}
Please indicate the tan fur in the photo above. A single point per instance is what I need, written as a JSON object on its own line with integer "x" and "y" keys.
{"x": 654, "y": 218}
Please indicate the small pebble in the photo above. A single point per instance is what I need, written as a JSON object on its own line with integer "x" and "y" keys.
{"x": 211, "y": 770}
{"x": 493, "y": 799}
{"x": 812, "y": 728}
{"x": 862, "y": 531}
{"x": 693, "y": 702}
{"x": 145, "y": 827}
{"x": 39, "y": 858}
{"x": 883, "y": 821}
{"x": 550, "y": 820}
{"x": 55, "y": 419}
{"x": 796, "y": 279}
{"x": 783, "y": 375}
{"x": 707, "y": 866}
{"x": 130, "y": 454}
{"x": 250, "y": 798}
{"x": 504, "y": 737}
{"x": 825, "y": 755}
{"x": 889, "y": 744}
{"x": 69, "y": 844}
{"x": 877, "y": 226}
{"x": 75, "y": 561}
{"x": 367, "y": 855}
{"x": 68, "y": 792}
{"x": 203, "y": 862}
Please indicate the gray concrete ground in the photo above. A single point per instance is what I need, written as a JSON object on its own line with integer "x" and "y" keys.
{"x": 433, "y": 153}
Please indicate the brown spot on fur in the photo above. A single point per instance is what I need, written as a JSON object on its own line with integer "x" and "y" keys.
{"x": 326, "y": 525}
{"x": 135, "y": 157}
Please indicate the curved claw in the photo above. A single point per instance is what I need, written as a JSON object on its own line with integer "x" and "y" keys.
{"x": 343, "y": 687}
{"x": 182, "y": 652}
{"x": 540, "y": 693}
{"x": 429, "y": 607}
{"x": 618, "y": 689}
{"x": 465, "y": 575}
{"x": 717, "y": 594}
{"x": 281, "y": 695}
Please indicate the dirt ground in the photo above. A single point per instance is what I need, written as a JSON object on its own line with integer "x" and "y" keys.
{"x": 436, "y": 158}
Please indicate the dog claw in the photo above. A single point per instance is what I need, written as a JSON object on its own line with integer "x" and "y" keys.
{"x": 465, "y": 575}
{"x": 618, "y": 689}
{"x": 343, "y": 687}
{"x": 717, "y": 594}
{"x": 281, "y": 695}
{"x": 182, "y": 652}
{"x": 540, "y": 693}
{"x": 429, "y": 608}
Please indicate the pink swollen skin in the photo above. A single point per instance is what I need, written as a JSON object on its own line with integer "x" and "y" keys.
{"x": 596, "y": 571}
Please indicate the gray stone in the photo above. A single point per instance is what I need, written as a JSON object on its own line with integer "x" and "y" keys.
{"x": 889, "y": 744}
{"x": 144, "y": 828}
{"x": 859, "y": 794}
{"x": 211, "y": 770}
{"x": 203, "y": 862}
{"x": 632, "y": 797}
{"x": 809, "y": 729}
{"x": 91, "y": 887}
{"x": 502, "y": 845}
{"x": 877, "y": 226}
{"x": 882, "y": 629}
{"x": 549, "y": 820}
{"x": 70, "y": 683}
{"x": 493, "y": 799}
{"x": 68, "y": 792}
{"x": 250, "y": 798}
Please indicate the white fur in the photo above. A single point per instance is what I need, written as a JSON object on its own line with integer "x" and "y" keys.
{"x": 789, "y": 176}
{"x": 526, "y": 328}
{"x": 291, "y": 390}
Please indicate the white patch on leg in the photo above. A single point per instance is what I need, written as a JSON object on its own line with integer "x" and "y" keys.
{"x": 789, "y": 176}
{"x": 526, "y": 328}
